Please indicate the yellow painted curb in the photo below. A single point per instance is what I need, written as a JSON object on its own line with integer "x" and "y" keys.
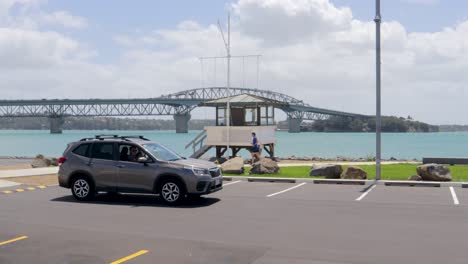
{"x": 129, "y": 257}
{"x": 31, "y": 188}
{"x": 12, "y": 240}
{"x": 19, "y": 190}
{"x": 7, "y": 192}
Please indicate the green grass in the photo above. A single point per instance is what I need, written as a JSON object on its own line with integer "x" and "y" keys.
{"x": 389, "y": 172}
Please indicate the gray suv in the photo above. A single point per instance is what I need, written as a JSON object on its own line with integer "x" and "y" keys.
{"x": 134, "y": 164}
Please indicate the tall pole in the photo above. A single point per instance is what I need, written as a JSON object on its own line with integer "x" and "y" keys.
{"x": 258, "y": 69}
{"x": 228, "y": 110}
{"x": 378, "y": 123}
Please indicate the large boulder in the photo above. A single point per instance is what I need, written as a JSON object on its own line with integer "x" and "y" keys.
{"x": 54, "y": 162}
{"x": 330, "y": 171}
{"x": 434, "y": 172}
{"x": 40, "y": 163}
{"x": 220, "y": 160}
{"x": 415, "y": 178}
{"x": 263, "y": 166}
{"x": 353, "y": 172}
{"x": 234, "y": 165}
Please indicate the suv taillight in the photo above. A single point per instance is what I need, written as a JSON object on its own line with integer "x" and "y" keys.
{"x": 62, "y": 160}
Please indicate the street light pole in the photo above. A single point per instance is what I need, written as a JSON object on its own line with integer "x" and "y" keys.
{"x": 228, "y": 83}
{"x": 378, "y": 123}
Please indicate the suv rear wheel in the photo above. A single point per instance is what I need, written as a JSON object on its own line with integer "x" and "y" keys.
{"x": 82, "y": 188}
{"x": 172, "y": 191}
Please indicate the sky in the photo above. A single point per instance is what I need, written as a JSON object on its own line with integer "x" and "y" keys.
{"x": 320, "y": 51}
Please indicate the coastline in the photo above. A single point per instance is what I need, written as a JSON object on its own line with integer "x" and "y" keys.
{"x": 23, "y": 162}
{"x": 15, "y": 163}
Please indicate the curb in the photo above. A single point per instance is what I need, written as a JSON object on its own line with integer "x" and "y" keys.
{"x": 348, "y": 182}
{"x": 19, "y": 190}
{"x": 343, "y": 182}
{"x": 412, "y": 184}
{"x": 271, "y": 180}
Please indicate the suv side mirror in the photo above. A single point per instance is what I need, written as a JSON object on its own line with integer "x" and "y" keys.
{"x": 142, "y": 160}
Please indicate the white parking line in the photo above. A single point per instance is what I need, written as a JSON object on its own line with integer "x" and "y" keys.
{"x": 454, "y": 196}
{"x": 231, "y": 183}
{"x": 299, "y": 185}
{"x": 367, "y": 192}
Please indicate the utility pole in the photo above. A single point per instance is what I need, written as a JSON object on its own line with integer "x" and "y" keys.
{"x": 378, "y": 123}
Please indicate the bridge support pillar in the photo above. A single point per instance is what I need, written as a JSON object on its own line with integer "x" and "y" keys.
{"x": 56, "y": 123}
{"x": 294, "y": 125}
{"x": 181, "y": 122}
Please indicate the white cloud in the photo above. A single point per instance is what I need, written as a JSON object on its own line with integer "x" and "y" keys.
{"x": 64, "y": 19}
{"x": 286, "y": 21}
{"x": 29, "y": 15}
{"x": 20, "y": 48}
{"x": 6, "y": 5}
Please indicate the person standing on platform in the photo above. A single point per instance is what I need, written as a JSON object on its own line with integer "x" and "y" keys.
{"x": 255, "y": 150}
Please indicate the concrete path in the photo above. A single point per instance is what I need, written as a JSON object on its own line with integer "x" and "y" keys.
{"x": 4, "y": 184}
{"x": 28, "y": 172}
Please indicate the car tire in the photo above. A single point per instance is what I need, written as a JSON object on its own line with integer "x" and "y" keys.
{"x": 83, "y": 188}
{"x": 172, "y": 192}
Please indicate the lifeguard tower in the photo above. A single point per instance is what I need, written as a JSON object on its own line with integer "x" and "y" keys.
{"x": 248, "y": 113}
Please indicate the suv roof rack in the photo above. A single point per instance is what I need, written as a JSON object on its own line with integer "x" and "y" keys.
{"x": 106, "y": 136}
{"x": 138, "y": 137}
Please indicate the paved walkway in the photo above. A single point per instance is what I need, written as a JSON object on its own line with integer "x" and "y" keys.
{"x": 27, "y": 172}
{"x": 4, "y": 184}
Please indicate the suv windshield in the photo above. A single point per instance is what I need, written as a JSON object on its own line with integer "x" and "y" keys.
{"x": 161, "y": 153}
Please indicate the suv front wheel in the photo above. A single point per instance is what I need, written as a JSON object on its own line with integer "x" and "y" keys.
{"x": 172, "y": 192}
{"x": 82, "y": 189}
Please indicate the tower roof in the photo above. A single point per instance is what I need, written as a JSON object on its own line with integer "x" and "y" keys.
{"x": 245, "y": 100}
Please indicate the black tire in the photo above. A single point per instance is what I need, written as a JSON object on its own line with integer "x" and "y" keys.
{"x": 83, "y": 189}
{"x": 172, "y": 192}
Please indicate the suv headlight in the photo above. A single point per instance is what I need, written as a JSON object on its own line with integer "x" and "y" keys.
{"x": 197, "y": 171}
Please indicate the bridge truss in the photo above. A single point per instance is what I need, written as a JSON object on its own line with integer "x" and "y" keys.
{"x": 181, "y": 103}
{"x": 95, "y": 107}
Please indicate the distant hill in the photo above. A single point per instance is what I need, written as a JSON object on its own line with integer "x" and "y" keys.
{"x": 100, "y": 123}
{"x": 345, "y": 124}
{"x": 453, "y": 128}
{"x": 334, "y": 124}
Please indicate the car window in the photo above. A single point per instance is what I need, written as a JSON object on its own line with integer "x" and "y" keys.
{"x": 131, "y": 153}
{"x": 82, "y": 150}
{"x": 103, "y": 151}
{"x": 161, "y": 152}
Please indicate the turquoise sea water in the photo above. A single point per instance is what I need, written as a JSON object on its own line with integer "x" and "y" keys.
{"x": 328, "y": 145}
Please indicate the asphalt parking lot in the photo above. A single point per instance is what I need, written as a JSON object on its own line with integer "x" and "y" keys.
{"x": 244, "y": 223}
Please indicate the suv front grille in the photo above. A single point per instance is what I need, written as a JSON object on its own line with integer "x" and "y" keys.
{"x": 215, "y": 172}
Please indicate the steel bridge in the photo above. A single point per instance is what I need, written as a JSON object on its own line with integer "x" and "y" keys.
{"x": 179, "y": 105}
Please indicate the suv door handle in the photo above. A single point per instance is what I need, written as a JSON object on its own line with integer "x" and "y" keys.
{"x": 120, "y": 166}
{"x": 90, "y": 163}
